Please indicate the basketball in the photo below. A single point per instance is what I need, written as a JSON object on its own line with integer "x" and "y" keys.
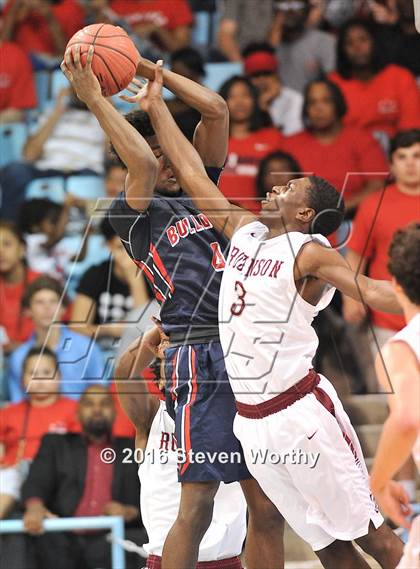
{"x": 115, "y": 59}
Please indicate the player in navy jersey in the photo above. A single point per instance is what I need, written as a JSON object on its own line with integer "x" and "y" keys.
{"x": 182, "y": 256}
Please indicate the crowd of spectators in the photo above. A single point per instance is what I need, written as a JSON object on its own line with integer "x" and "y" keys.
{"x": 313, "y": 87}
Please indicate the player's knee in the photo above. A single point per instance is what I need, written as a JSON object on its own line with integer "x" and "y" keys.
{"x": 196, "y": 509}
{"x": 382, "y": 542}
{"x": 266, "y": 517}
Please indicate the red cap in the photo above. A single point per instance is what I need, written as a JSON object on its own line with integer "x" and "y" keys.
{"x": 260, "y": 62}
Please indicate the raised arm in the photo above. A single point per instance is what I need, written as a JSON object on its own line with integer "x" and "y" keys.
{"x": 328, "y": 265}
{"x": 130, "y": 146}
{"x": 212, "y": 132}
{"x": 187, "y": 164}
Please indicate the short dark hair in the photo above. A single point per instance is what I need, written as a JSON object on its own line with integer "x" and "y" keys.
{"x": 336, "y": 95}
{"x": 141, "y": 122}
{"x": 255, "y": 47}
{"x": 344, "y": 66}
{"x": 404, "y": 139}
{"x": 259, "y": 118}
{"x": 404, "y": 260}
{"x": 328, "y": 206}
{"x": 33, "y": 212}
{"x": 40, "y": 351}
{"x": 44, "y": 282}
{"x": 191, "y": 58}
{"x": 293, "y": 166}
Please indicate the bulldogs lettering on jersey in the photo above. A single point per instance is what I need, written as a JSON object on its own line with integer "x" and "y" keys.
{"x": 187, "y": 226}
{"x": 180, "y": 253}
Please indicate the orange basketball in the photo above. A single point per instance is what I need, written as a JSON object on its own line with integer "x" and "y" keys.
{"x": 115, "y": 59}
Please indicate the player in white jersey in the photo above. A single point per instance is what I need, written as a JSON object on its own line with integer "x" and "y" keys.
{"x": 398, "y": 371}
{"x": 278, "y": 275}
{"x": 160, "y": 492}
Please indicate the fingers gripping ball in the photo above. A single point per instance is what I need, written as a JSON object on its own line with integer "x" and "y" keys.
{"x": 115, "y": 58}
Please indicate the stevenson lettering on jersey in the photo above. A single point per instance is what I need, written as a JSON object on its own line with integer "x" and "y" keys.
{"x": 252, "y": 267}
{"x": 187, "y": 226}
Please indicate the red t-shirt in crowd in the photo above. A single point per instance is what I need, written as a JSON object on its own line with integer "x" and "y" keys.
{"x": 17, "y": 87}
{"x": 33, "y": 33}
{"x": 59, "y": 417}
{"x": 244, "y": 155}
{"x": 169, "y": 14}
{"x": 396, "y": 210}
{"x": 343, "y": 161}
{"x": 12, "y": 316}
{"x": 388, "y": 102}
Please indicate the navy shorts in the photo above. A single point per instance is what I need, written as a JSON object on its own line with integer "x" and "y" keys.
{"x": 200, "y": 400}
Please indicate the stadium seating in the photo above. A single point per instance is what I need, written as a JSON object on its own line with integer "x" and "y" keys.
{"x": 48, "y": 188}
{"x": 42, "y": 83}
{"x": 218, "y": 73}
{"x": 86, "y": 187}
{"x": 12, "y": 140}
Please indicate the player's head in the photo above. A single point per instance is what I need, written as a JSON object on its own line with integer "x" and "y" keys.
{"x": 276, "y": 169}
{"x": 166, "y": 183}
{"x": 405, "y": 159}
{"x": 357, "y": 48}
{"x": 41, "y": 378}
{"x": 404, "y": 263}
{"x": 308, "y": 205}
{"x": 96, "y": 411}
{"x": 324, "y": 105}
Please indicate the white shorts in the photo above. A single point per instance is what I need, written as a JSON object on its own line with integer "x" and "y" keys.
{"x": 315, "y": 474}
{"x": 411, "y": 555}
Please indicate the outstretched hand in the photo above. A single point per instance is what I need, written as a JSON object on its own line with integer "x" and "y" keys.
{"x": 145, "y": 94}
{"x": 82, "y": 78}
{"x": 394, "y": 503}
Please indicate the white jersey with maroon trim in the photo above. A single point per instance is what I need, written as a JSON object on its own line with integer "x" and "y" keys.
{"x": 161, "y": 492}
{"x": 410, "y": 334}
{"x": 265, "y": 325}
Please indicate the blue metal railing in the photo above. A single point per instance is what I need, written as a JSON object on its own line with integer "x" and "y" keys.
{"x": 114, "y": 523}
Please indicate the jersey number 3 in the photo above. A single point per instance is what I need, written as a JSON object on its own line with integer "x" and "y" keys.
{"x": 218, "y": 261}
{"x": 238, "y": 306}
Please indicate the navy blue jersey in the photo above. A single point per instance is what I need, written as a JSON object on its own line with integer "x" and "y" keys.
{"x": 181, "y": 254}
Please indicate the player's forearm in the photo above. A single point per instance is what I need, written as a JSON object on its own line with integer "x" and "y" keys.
{"x": 184, "y": 158}
{"x": 132, "y": 391}
{"x": 379, "y": 295}
{"x": 208, "y": 103}
{"x": 394, "y": 448}
{"x": 128, "y": 143}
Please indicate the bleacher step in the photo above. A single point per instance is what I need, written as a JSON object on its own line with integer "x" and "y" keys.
{"x": 367, "y": 409}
